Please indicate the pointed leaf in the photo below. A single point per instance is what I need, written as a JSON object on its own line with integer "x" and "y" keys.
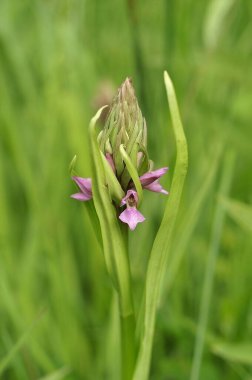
{"x": 234, "y": 352}
{"x": 114, "y": 186}
{"x": 161, "y": 247}
{"x": 133, "y": 172}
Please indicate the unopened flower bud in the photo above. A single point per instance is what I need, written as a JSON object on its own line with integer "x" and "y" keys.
{"x": 125, "y": 126}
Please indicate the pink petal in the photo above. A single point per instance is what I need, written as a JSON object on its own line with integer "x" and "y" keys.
{"x": 85, "y": 185}
{"x": 132, "y": 217}
{"x": 81, "y": 197}
{"x": 129, "y": 194}
{"x": 152, "y": 176}
{"x": 156, "y": 187}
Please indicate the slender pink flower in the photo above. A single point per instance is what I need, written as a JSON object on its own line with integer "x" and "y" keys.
{"x": 150, "y": 180}
{"x": 131, "y": 215}
{"x": 85, "y": 186}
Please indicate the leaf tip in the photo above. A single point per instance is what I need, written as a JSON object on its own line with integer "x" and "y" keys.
{"x": 72, "y": 164}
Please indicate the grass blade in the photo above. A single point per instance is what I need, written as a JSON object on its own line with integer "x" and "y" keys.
{"x": 240, "y": 212}
{"x": 189, "y": 223}
{"x": 234, "y": 352}
{"x": 57, "y": 375}
{"x": 210, "y": 268}
{"x": 4, "y": 363}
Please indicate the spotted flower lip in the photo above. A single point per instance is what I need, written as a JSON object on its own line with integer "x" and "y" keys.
{"x": 85, "y": 186}
{"x": 131, "y": 215}
{"x": 130, "y": 197}
{"x": 150, "y": 180}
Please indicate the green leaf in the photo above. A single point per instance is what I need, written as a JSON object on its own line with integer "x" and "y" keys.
{"x": 234, "y": 352}
{"x": 145, "y": 164}
{"x": 72, "y": 165}
{"x": 57, "y": 375}
{"x": 133, "y": 172}
{"x": 208, "y": 281}
{"x": 114, "y": 186}
{"x": 161, "y": 247}
{"x": 115, "y": 251}
{"x": 240, "y": 212}
{"x": 5, "y": 361}
{"x": 215, "y": 20}
{"x": 190, "y": 220}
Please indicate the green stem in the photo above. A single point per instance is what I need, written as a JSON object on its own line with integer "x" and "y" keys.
{"x": 128, "y": 346}
{"x": 128, "y": 328}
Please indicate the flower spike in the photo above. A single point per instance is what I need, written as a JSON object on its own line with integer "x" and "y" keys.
{"x": 124, "y": 164}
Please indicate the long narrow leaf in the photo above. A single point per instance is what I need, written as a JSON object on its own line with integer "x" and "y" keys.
{"x": 210, "y": 269}
{"x": 234, "y": 352}
{"x": 189, "y": 223}
{"x": 57, "y": 375}
{"x": 240, "y": 212}
{"x": 161, "y": 247}
{"x": 5, "y": 361}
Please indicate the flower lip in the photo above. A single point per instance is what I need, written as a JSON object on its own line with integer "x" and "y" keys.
{"x": 132, "y": 217}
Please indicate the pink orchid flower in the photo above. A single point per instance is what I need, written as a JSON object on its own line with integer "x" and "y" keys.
{"x": 131, "y": 216}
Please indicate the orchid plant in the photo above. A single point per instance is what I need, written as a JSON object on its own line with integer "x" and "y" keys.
{"x": 121, "y": 171}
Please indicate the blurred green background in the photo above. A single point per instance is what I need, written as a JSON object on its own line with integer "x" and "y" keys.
{"x": 59, "y": 60}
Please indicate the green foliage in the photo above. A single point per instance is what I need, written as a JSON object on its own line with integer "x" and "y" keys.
{"x": 239, "y": 212}
{"x": 54, "y": 56}
{"x": 161, "y": 247}
{"x": 241, "y": 353}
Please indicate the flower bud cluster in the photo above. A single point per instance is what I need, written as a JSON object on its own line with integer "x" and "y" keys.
{"x": 125, "y": 125}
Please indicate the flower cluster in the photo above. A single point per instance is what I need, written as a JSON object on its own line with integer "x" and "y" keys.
{"x": 125, "y": 126}
{"x": 131, "y": 215}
